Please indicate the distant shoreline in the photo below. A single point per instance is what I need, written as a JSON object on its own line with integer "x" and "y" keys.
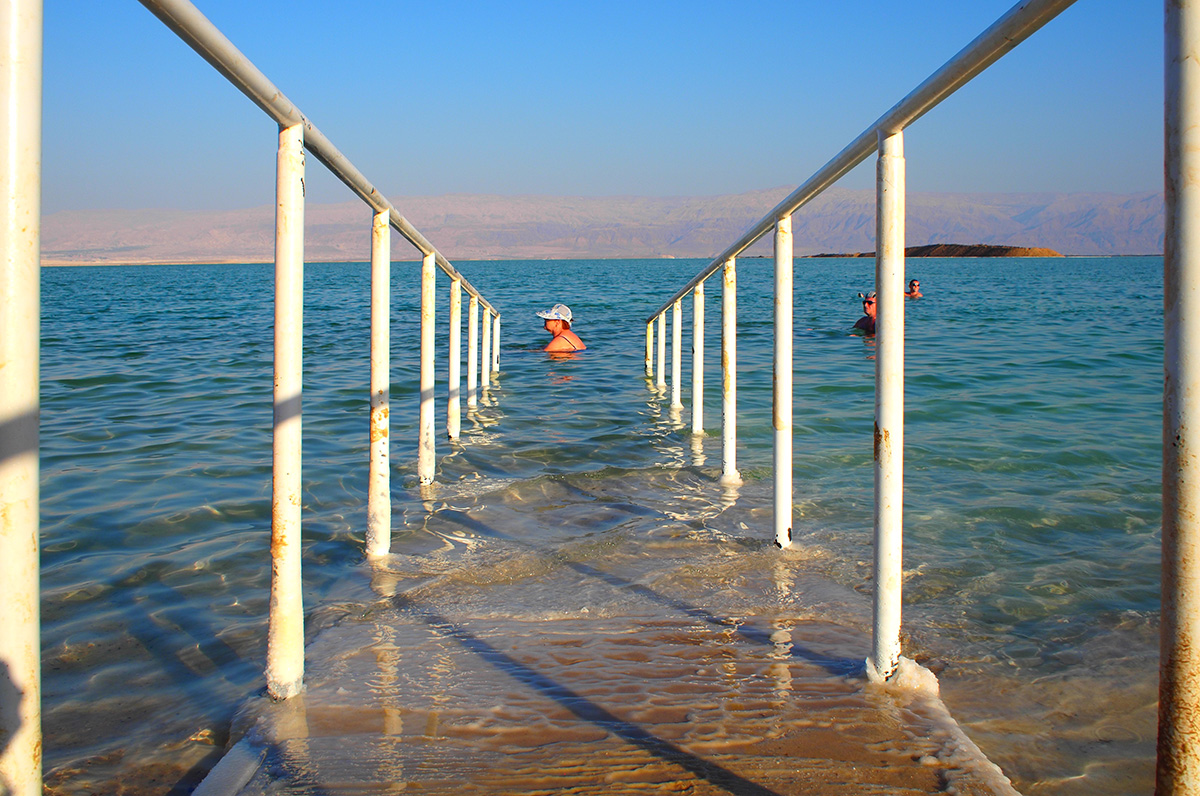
{"x": 50, "y": 262}
{"x": 483, "y": 227}
{"x": 931, "y": 250}
{"x": 54, "y": 263}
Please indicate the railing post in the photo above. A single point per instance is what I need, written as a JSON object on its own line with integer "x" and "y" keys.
{"x": 379, "y": 488}
{"x": 285, "y": 636}
{"x": 698, "y": 359}
{"x": 889, "y": 404}
{"x": 1178, "y": 769}
{"x": 426, "y": 450}
{"x": 473, "y": 352}
{"x": 729, "y": 472}
{"x": 649, "y": 349}
{"x": 454, "y": 398}
{"x": 782, "y": 365}
{"x": 485, "y": 355}
{"x": 676, "y": 354}
{"x": 660, "y": 380}
{"x": 496, "y": 344}
{"x": 20, "y": 299}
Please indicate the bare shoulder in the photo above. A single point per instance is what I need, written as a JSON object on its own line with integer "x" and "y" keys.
{"x": 563, "y": 343}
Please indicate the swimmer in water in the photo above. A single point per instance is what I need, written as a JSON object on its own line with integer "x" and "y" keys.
{"x": 558, "y": 323}
{"x": 914, "y": 289}
{"x": 867, "y": 321}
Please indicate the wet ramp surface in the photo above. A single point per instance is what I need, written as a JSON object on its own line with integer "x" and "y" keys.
{"x": 567, "y": 705}
{"x": 686, "y": 667}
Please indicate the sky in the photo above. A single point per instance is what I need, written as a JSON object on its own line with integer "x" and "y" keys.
{"x": 640, "y": 98}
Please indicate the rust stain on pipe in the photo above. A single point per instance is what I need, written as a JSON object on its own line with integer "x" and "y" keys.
{"x": 379, "y": 423}
{"x": 883, "y": 442}
{"x": 279, "y": 541}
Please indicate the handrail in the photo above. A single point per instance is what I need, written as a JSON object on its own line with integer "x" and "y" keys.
{"x": 285, "y": 632}
{"x": 885, "y": 136}
{"x": 1018, "y": 24}
{"x": 206, "y": 39}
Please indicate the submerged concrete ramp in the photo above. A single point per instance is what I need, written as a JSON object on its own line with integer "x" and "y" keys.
{"x": 626, "y": 705}
{"x": 550, "y": 653}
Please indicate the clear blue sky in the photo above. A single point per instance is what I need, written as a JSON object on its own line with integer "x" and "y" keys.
{"x": 617, "y": 98}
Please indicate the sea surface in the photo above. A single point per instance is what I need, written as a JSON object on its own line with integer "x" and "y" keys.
{"x": 1032, "y": 492}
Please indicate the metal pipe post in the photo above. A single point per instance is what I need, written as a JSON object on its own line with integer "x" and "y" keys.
{"x": 20, "y": 289}
{"x": 285, "y": 633}
{"x": 454, "y": 400}
{"x": 649, "y": 349}
{"x": 698, "y": 359}
{"x": 473, "y": 353}
{"x": 379, "y": 487}
{"x": 426, "y": 451}
{"x": 729, "y": 472}
{"x": 496, "y": 344}
{"x": 660, "y": 379}
{"x": 782, "y": 364}
{"x": 1178, "y": 771}
{"x": 485, "y": 355}
{"x": 677, "y": 354}
{"x": 889, "y": 404}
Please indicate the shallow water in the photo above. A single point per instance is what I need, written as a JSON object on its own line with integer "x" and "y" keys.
{"x": 1032, "y": 489}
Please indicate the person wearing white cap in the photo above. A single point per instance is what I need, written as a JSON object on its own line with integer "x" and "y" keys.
{"x": 558, "y": 323}
{"x": 867, "y": 321}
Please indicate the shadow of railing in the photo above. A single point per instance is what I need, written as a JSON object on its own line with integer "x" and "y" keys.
{"x": 842, "y": 667}
{"x": 10, "y": 705}
{"x": 19, "y": 436}
{"x": 582, "y": 707}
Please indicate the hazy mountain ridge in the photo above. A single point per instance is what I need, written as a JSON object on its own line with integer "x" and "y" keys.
{"x": 480, "y": 227}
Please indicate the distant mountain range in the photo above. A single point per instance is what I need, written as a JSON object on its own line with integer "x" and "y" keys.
{"x": 471, "y": 227}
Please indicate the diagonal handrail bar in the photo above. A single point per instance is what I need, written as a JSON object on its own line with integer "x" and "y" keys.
{"x": 1020, "y": 22}
{"x": 285, "y": 641}
{"x": 884, "y": 136}
{"x": 187, "y": 22}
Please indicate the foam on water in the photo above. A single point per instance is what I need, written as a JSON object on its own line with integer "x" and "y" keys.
{"x": 919, "y": 688}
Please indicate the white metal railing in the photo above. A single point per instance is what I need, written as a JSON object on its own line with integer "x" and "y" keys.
{"x": 285, "y": 650}
{"x": 1179, "y": 667}
{"x": 1179, "y": 711}
{"x": 20, "y": 241}
{"x": 20, "y": 164}
{"x": 884, "y": 136}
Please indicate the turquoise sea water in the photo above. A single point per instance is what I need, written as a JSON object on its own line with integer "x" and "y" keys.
{"x": 1032, "y": 484}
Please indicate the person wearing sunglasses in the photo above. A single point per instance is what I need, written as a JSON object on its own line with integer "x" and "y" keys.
{"x": 867, "y": 321}
{"x": 914, "y": 289}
